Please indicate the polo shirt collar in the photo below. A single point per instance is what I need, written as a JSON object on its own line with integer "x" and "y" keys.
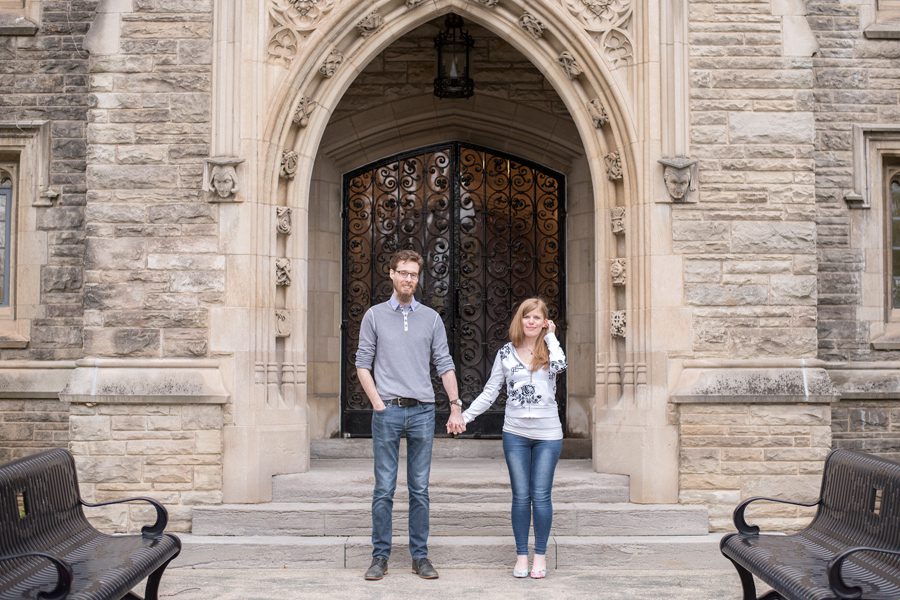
{"x": 395, "y": 304}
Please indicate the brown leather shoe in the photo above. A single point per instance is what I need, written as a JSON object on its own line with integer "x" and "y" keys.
{"x": 378, "y": 569}
{"x": 424, "y": 569}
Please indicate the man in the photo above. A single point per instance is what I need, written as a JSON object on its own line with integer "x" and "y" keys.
{"x": 398, "y": 341}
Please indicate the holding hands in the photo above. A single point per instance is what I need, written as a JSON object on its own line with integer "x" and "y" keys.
{"x": 456, "y": 424}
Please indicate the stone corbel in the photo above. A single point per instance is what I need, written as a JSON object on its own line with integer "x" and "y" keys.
{"x": 283, "y": 220}
{"x": 330, "y": 66}
{"x": 220, "y": 178}
{"x": 617, "y": 323}
{"x": 598, "y": 113}
{"x": 283, "y": 324}
{"x": 289, "y": 163}
{"x": 413, "y": 3}
{"x": 617, "y": 219}
{"x": 680, "y": 177}
{"x": 532, "y": 25}
{"x": 614, "y": 166}
{"x": 488, "y": 3}
{"x": 369, "y": 24}
{"x": 46, "y": 196}
{"x": 617, "y": 272}
{"x": 283, "y": 272}
{"x": 570, "y": 65}
{"x": 304, "y": 110}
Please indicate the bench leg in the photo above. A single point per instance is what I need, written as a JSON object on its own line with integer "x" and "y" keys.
{"x": 746, "y": 581}
{"x": 152, "y": 589}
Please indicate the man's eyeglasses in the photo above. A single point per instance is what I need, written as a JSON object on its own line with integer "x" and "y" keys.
{"x": 407, "y": 275}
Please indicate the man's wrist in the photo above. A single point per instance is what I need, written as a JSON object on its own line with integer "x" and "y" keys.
{"x": 456, "y": 403}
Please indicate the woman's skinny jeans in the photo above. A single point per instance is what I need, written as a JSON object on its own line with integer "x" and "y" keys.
{"x": 531, "y": 466}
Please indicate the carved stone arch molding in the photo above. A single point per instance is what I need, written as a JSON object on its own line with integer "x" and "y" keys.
{"x": 336, "y": 42}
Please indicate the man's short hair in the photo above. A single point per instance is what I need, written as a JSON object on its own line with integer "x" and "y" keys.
{"x": 406, "y": 256}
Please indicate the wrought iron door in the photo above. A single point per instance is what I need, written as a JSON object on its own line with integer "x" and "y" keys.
{"x": 490, "y": 227}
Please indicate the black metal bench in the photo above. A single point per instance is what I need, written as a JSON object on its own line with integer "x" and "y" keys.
{"x": 49, "y": 550}
{"x": 851, "y": 549}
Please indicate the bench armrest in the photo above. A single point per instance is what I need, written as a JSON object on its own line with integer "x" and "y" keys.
{"x": 63, "y": 574}
{"x": 841, "y": 589}
{"x": 162, "y": 516}
{"x": 741, "y": 523}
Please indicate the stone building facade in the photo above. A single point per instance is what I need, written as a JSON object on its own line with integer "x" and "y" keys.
{"x": 173, "y": 286}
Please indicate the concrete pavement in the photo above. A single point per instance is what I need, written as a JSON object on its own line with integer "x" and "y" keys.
{"x": 706, "y": 582}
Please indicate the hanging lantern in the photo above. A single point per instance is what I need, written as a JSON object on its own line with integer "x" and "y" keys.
{"x": 453, "y": 45}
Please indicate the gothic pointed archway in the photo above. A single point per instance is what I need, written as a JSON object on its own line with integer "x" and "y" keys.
{"x": 627, "y": 405}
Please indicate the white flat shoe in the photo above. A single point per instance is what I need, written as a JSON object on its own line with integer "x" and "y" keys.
{"x": 520, "y": 574}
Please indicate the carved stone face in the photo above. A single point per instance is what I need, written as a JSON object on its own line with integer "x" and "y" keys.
{"x": 224, "y": 181}
{"x": 677, "y": 181}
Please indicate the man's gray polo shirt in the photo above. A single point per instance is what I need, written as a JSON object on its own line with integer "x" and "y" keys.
{"x": 399, "y": 344}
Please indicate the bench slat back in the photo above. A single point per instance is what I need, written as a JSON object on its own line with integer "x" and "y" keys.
{"x": 39, "y": 501}
{"x": 861, "y": 501}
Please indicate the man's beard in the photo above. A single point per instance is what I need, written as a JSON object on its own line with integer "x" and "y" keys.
{"x": 403, "y": 297}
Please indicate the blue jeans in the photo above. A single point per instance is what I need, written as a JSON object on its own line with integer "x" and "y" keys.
{"x": 388, "y": 426}
{"x": 531, "y": 465}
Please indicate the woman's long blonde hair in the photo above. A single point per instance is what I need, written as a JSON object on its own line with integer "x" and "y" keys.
{"x": 540, "y": 358}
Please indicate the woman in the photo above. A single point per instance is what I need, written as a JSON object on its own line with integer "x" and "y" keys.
{"x": 532, "y": 433}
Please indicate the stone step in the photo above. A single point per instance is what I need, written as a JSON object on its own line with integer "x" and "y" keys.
{"x": 456, "y": 519}
{"x": 463, "y": 480}
{"x": 332, "y": 448}
{"x": 656, "y": 553}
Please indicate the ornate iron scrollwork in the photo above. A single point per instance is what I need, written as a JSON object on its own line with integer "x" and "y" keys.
{"x": 490, "y": 228}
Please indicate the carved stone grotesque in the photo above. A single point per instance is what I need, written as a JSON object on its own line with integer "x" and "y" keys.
{"x": 282, "y": 272}
{"x": 413, "y": 3}
{"x": 488, "y": 3}
{"x": 532, "y": 25}
{"x": 283, "y": 323}
{"x": 570, "y": 65}
{"x": 369, "y": 24}
{"x": 220, "y": 178}
{"x": 331, "y": 64}
{"x": 289, "y": 162}
{"x": 680, "y": 177}
{"x": 283, "y": 222}
{"x": 617, "y": 271}
{"x": 617, "y": 216}
{"x": 598, "y": 113}
{"x": 613, "y": 166}
{"x": 304, "y": 109}
{"x": 617, "y": 323}
{"x": 224, "y": 180}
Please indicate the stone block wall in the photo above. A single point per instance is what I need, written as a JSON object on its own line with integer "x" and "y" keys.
{"x": 152, "y": 262}
{"x": 749, "y": 244}
{"x": 867, "y": 426}
{"x": 172, "y": 453}
{"x": 731, "y": 452}
{"x": 856, "y": 82}
{"x": 29, "y": 426}
{"x": 45, "y": 78}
